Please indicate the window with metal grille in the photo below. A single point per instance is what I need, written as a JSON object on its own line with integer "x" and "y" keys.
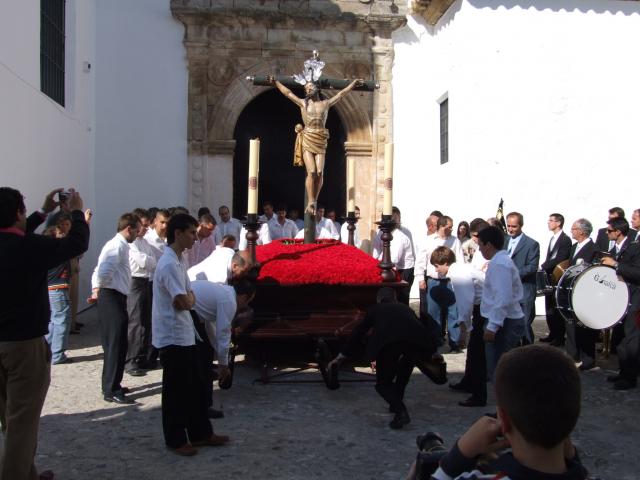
{"x": 52, "y": 49}
{"x": 444, "y": 131}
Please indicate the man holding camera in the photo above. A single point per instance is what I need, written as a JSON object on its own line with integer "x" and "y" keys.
{"x": 25, "y": 357}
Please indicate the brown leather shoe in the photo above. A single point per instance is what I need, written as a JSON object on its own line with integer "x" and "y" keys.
{"x": 213, "y": 441}
{"x": 185, "y": 450}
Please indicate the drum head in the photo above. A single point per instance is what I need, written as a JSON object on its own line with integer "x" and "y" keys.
{"x": 599, "y": 299}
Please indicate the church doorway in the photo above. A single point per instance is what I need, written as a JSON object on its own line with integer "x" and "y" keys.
{"x": 271, "y": 117}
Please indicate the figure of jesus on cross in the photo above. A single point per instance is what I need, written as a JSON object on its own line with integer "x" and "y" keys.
{"x": 311, "y": 141}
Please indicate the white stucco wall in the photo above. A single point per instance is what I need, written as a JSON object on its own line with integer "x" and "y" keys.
{"x": 141, "y": 107}
{"x": 43, "y": 145}
{"x": 544, "y": 108}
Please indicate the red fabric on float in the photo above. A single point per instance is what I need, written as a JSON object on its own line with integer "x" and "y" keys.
{"x": 329, "y": 262}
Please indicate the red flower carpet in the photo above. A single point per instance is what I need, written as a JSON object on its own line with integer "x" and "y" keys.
{"x": 329, "y": 262}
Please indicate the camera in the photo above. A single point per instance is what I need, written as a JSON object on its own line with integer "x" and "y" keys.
{"x": 64, "y": 195}
{"x": 431, "y": 450}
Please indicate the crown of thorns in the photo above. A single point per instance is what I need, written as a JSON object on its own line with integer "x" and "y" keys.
{"x": 312, "y": 70}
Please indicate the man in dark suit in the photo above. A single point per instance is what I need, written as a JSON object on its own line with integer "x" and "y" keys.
{"x": 581, "y": 341}
{"x": 557, "y": 252}
{"x": 525, "y": 254}
{"x": 398, "y": 342}
{"x": 603, "y": 243}
{"x": 635, "y": 226}
{"x": 626, "y": 260}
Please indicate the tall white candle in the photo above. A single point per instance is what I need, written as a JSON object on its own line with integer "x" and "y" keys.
{"x": 388, "y": 179}
{"x": 351, "y": 185}
{"x": 254, "y": 162}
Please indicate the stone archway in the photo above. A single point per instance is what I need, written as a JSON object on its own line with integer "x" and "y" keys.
{"x": 225, "y": 44}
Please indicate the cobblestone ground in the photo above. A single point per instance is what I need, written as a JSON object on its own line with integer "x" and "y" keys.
{"x": 290, "y": 431}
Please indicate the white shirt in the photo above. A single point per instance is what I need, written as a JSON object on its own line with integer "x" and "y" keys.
{"x": 579, "y": 246}
{"x": 113, "y": 270}
{"x": 170, "y": 326}
{"x": 401, "y": 249}
{"x": 321, "y": 233}
{"x": 344, "y": 234}
{"x": 156, "y": 242}
{"x": 201, "y": 249}
{"x": 478, "y": 262}
{"x": 502, "y": 292}
{"x": 216, "y": 306}
{"x": 463, "y": 284}
{"x": 263, "y": 218}
{"x": 264, "y": 237}
{"x": 232, "y": 227}
{"x": 142, "y": 259}
{"x": 286, "y": 230}
{"x": 423, "y": 258}
{"x": 553, "y": 240}
{"x": 215, "y": 268}
{"x": 328, "y": 224}
{"x": 299, "y": 223}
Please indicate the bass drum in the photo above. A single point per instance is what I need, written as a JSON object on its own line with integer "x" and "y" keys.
{"x": 592, "y": 295}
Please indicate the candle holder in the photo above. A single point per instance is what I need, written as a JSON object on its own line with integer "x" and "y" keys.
{"x": 386, "y": 225}
{"x": 251, "y": 225}
{"x": 351, "y": 227}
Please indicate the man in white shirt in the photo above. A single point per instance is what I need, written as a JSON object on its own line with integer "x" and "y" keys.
{"x": 501, "y": 297}
{"x": 221, "y": 266}
{"x": 331, "y": 215}
{"x": 325, "y": 223}
{"x": 216, "y": 306}
{"x": 344, "y": 231}
{"x": 269, "y": 214}
{"x": 282, "y": 227}
{"x": 264, "y": 236}
{"x": 111, "y": 283}
{"x": 205, "y": 243}
{"x": 294, "y": 215}
{"x": 474, "y": 380}
{"x": 227, "y": 225}
{"x": 402, "y": 254}
{"x": 142, "y": 261}
{"x": 184, "y": 408}
{"x": 156, "y": 236}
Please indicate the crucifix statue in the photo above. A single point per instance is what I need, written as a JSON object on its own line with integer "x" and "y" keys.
{"x": 311, "y": 140}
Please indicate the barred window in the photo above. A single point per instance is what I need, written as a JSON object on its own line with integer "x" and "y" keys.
{"x": 444, "y": 131}
{"x": 52, "y": 13}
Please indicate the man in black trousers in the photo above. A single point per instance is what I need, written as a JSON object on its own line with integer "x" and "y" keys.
{"x": 25, "y": 357}
{"x": 627, "y": 265}
{"x": 398, "y": 342}
{"x": 111, "y": 283}
{"x": 557, "y": 252}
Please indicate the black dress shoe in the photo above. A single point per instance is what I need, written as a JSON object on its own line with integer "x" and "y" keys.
{"x": 400, "y": 420}
{"x": 547, "y": 339}
{"x": 624, "y": 384}
{"x": 472, "y": 402}
{"x": 614, "y": 378}
{"x": 136, "y": 372}
{"x": 118, "y": 398}
{"x": 459, "y": 387}
{"x": 587, "y": 366}
{"x": 213, "y": 413}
